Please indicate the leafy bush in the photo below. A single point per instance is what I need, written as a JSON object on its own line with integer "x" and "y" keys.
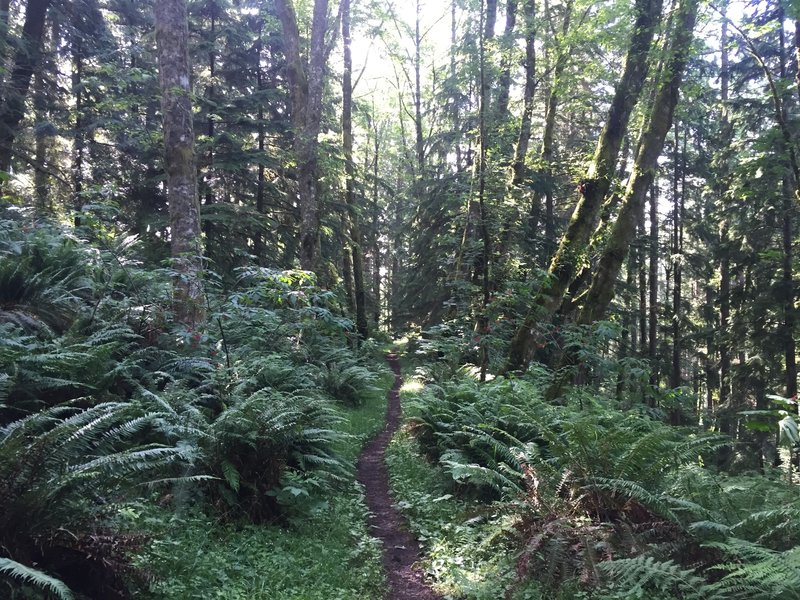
{"x": 597, "y": 487}
{"x": 61, "y": 470}
{"x": 99, "y": 393}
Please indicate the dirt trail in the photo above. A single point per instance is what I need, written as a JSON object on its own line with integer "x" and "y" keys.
{"x": 400, "y": 549}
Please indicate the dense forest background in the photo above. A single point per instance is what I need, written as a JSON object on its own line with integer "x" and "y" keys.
{"x": 581, "y": 216}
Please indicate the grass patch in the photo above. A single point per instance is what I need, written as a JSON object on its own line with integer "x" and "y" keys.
{"x": 328, "y": 554}
{"x": 365, "y": 421}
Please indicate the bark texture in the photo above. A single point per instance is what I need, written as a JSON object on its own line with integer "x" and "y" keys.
{"x": 26, "y": 59}
{"x": 306, "y": 81}
{"x": 595, "y": 187}
{"x": 350, "y": 199}
{"x": 601, "y": 291}
{"x": 172, "y": 36}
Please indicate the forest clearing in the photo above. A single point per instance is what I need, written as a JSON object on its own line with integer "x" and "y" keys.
{"x": 380, "y": 300}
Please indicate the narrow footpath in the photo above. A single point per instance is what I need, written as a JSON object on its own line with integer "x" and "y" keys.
{"x": 400, "y": 548}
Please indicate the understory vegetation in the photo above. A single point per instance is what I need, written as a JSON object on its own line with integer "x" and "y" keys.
{"x": 218, "y": 217}
{"x": 128, "y": 442}
{"x": 139, "y": 457}
{"x": 591, "y": 497}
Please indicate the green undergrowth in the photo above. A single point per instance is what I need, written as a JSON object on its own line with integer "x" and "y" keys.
{"x": 465, "y": 544}
{"x": 330, "y": 555}
{"x": 514, "y": 497}
{"x": 226, "y": 442}
{"x": 324, "y": 552}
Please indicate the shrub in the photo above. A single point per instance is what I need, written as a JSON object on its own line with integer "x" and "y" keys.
{"x": 61, "y": 470}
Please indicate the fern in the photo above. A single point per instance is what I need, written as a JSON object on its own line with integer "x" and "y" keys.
{"x": 498, "y": 478}
{"x": 56, "y": 464}
{"x": 641, "y": 574}
{"x": 629, "y": 490}
{"x": 778, "y": 527}
{"x": 35, "y": 578}
{"x": 753, "y": 572}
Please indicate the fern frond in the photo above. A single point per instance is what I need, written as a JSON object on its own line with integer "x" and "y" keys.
{"x": 640, "y": 574}
{"x": 35, "y": 578}
{"x": 757, "y": 573}
{"x": 631, "y": 490}
{"x": 462, "y": 471}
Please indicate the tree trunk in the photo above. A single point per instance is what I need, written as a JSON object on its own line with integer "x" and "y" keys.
{"x": 306, "y": 81}
{"x": 376, "y": 248}
{"x": 350, "y": 200}
{"x": 797, "y": 54}
{"x": 79, "y": 144}
{"x": 642, "y": 266}
{"x": 28, "y": 52}
{"x": 521, "y": 149}
{"x": 595, "y": 187}
{"x": 419, "y": 139}
{"x": 489, "y": 19}
{"x": 710, "y": 372}
{"x": 789, "y": 317}
{"x": 789, "y": 189}
{"x": 41, "y": 178}
{"x": 172, "y": 37}
{"x": 677, "y": 257}
{"x": 504, "y": 80}
{"x": 482, "y": 326}
{"x": 652, "y": 281}
{"x": 601, "y": 291}
{"x": 724, "y": 316}
{"x": 208, "y": 223}
{"x": 258, "y": 236}
{"x": 546, "y": 153}
{"x": 454, "y": 92}
{"x": 723, "y": 342}
{"x": 347, "y": 274}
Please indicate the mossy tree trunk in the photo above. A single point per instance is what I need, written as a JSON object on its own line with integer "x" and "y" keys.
{"x": 596, "y": 185}
{"x": 172, "y": 37}
{"x": 601, "y": 291}
{"x": 306, "y": 79}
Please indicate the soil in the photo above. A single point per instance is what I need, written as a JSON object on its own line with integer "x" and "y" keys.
{"x": 400, "y": 549}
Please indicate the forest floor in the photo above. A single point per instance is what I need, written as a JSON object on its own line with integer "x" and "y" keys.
{"x": 401, "y": 551}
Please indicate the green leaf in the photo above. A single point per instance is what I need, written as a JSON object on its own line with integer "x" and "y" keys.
{"x": 231, "y": 475}
{"x": 788, "y": 430}
{"x": 35, "y": 578}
